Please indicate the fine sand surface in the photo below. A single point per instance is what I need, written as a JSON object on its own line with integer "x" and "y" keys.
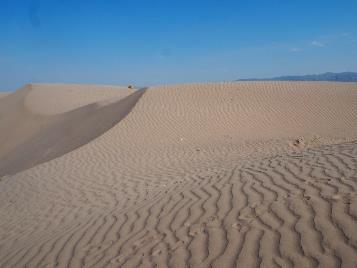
{"x": 198, "y": 175}
{"x": 3, "y": 94}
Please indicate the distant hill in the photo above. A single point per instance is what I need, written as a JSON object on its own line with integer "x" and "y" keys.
{"x": 334, "y": 77}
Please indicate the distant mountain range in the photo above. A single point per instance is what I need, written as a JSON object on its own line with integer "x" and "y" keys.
{"x": 334, "y": 77}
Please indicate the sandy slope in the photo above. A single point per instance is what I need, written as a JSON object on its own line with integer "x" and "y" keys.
{"x": 3, "y": 94}
{"x": 231, "y": 174}
{"x": 41, "y": 122}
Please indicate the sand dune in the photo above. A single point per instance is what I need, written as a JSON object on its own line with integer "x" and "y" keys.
{"x": 41, "y": 122}
{"x": 50, "y": 99}
{"x": 3, "y": 94}
{"x": 200, "y": 175}
{"x": 66, "y": 132}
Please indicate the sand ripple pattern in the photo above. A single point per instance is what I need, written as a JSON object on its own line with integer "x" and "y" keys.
{"x": 199, "y": 175}
{"x": 294, "y": 210}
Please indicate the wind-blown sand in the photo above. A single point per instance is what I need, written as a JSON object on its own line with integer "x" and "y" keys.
{"x": 200, "y": 175}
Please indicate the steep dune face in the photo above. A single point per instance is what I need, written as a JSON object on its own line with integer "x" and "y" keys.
{"x": 66, "y": 132}
{"x": 41, "y": 122}
{"x": 200, "y": 175}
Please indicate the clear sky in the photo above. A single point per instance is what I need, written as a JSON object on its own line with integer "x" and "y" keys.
{"x": 152, "y": 42}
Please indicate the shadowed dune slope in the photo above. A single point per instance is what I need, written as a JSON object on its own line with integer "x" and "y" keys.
{"x": 16, "y": 123}
{"x": 66, "y": 132}
{"x": 198, "y": 175}
{"x": 39, "y": 126}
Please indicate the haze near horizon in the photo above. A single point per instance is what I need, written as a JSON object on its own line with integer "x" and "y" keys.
{"x": 142, "y": 43}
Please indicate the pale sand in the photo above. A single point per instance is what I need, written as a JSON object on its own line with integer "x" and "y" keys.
{"x": 200, "y": 175}
{"x": 3, "y": 94}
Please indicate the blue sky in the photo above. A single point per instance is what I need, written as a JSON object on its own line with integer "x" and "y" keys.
{"x": 157, "y": 42}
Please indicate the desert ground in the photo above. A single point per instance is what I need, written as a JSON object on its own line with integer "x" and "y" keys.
{"x": 238, "y": 174}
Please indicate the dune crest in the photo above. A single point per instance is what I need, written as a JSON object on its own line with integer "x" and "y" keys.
{"x": 66, "y": 131}
{"x": 31, "y": 108}
{"x": 51, "y": 99}
{"x": 197, "y": 175}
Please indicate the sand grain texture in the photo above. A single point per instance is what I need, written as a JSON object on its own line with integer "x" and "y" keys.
{"x": 198, "y": 175}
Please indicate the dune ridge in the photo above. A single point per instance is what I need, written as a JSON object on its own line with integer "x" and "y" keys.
{"x": 66, "y": 132}
{"x": 48, "y": 130}
{"x": 198, "y": 175}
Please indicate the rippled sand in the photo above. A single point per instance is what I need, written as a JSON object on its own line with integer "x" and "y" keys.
{"x": 198, "y": 175}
